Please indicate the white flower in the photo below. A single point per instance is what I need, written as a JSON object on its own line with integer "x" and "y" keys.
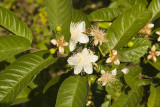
{"x": 153, "y": 53}
{"x": 77, "y": 34}
{"x": 125, "y": 70}
{"x": 158, "y": 33}
{"x": 82, "y": 61}
{"x": 107, "y": 77}
{"x": 60, "y": 44}
{"x": 113, "y": 57}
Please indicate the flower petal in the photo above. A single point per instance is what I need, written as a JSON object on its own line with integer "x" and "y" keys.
{"x": 109, "y": 60}
{"x": 149, "y": 57}
{"x": 82, "y": 38}
{"x": 77, "y": 69}
{"x": 153, "y": 49}
{"x": 72, "y": 45}
{"x": 114, "y": 52}
{"x": 158, "y": 32}
{"x": 117, "y": 62}
{"x": 125, "y": 70}
{"x": 85, "y": 51}
{"x": 72, "y": 60}
{"x": 88, "y": 69}
{"x": 61, "y": 49}
{"x": 81, "y": 26}
{"x": 158, "y": 39}
{"x": 54, "y": 41}
{"x": 114, "y": 72}
{"x": 154, "y": 58}
{"x": 93, "y": 58}
{"x": 103, "y": 72}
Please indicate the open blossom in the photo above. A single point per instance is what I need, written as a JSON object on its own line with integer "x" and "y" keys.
{"x": 113, "y": 57}
{"x": 125, "y": 70}
{"x": 60, "y": 44}
{"x": 147, "y": 30}
{"x": 107, "y": 77}
{"x": 99, "y": 35}
{"x": 158, "y": 33}
{"x": 77, "y": 34}
{"x": 82, "y": 61}
{"x": 153, "y": 53}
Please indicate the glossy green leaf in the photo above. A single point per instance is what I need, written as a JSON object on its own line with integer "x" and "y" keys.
{"x": 154, "y": 98}
{"x": 156, "y": 64}
{"x": 126, "y": 26}
{"x": 20, "y": 73}
{"x": 142, "y": 82}
{"x": 11, "y": 22}
{"x": 133, "y": 2}
{"x": 23, "y": 96}
{"x": 139, "y": 48}
{"x": 132, "y": 83}
{"x": 78, "y": 16}
{"x": 105, "y": 14}
{"x": 73, "y": 92}
{"x": 154, "y": 7}
{"x": 129, "y": 98}
{"x": 11, "y": 45}
{"x": 59, "y": 13}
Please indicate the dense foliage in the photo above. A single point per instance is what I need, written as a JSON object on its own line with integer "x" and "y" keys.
{"x": 109, "y": 57}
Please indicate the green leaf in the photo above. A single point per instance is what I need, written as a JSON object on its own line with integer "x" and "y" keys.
{"x": 154, "y": 7}
{"x": 59, "y": 13}
{"x": 156, "y": 64}
{"x": 139, "y": 48}
{"x": 129, "y": 98}
{"x": 20, "y": 73}
{"x": 132, "y": 83}
{"x": 23, "y": 96}
{"x": 11, "y": 45}
{"x": 51, "y": 83}
{"x": 78, "y": 16}
{"x": 73, "y": 92}
{"x": 144, "y": 82}
{"x": 11, "y": 22}
{"x": 105, "y": 14}
{"x": 126, "y": 26}
{"x": 133, "y": 2}
{"x": 154, "y": 98}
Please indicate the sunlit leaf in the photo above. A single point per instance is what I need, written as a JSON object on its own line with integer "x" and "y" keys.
{"x": 73, "y": 92}
{"x": 20, "y": 73}
{"x": 11, "y": 45}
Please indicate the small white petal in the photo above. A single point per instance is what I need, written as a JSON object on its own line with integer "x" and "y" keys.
{"x": 149, "y": 57}
{"x": 108, "y": 60}
{"x": 82, "y": 38}
{"x": 61, "y": 49}
{"x": 93, "y": 58}
{"x": 72, "y": 45}
{"x": 54, "y": 41}
{"x": 117, "y": 62}
{"x": 77, "y": 69}
{"x": 81, "y": 26}
{"x": 88, "y": 69}
{"x": 158, "y": 32}
{"x": 114, "y": 52}
{"x": 102, "y": 72}
{"x": 125, "y": 70}
{"x": 85, "y": 51}
{"x": 153, "y": 49}
{"x": 158, "y": 39}
{"x": 151, "y": 25}
{"x": 114, "y": 72}
{"x": 72, "y": 60}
